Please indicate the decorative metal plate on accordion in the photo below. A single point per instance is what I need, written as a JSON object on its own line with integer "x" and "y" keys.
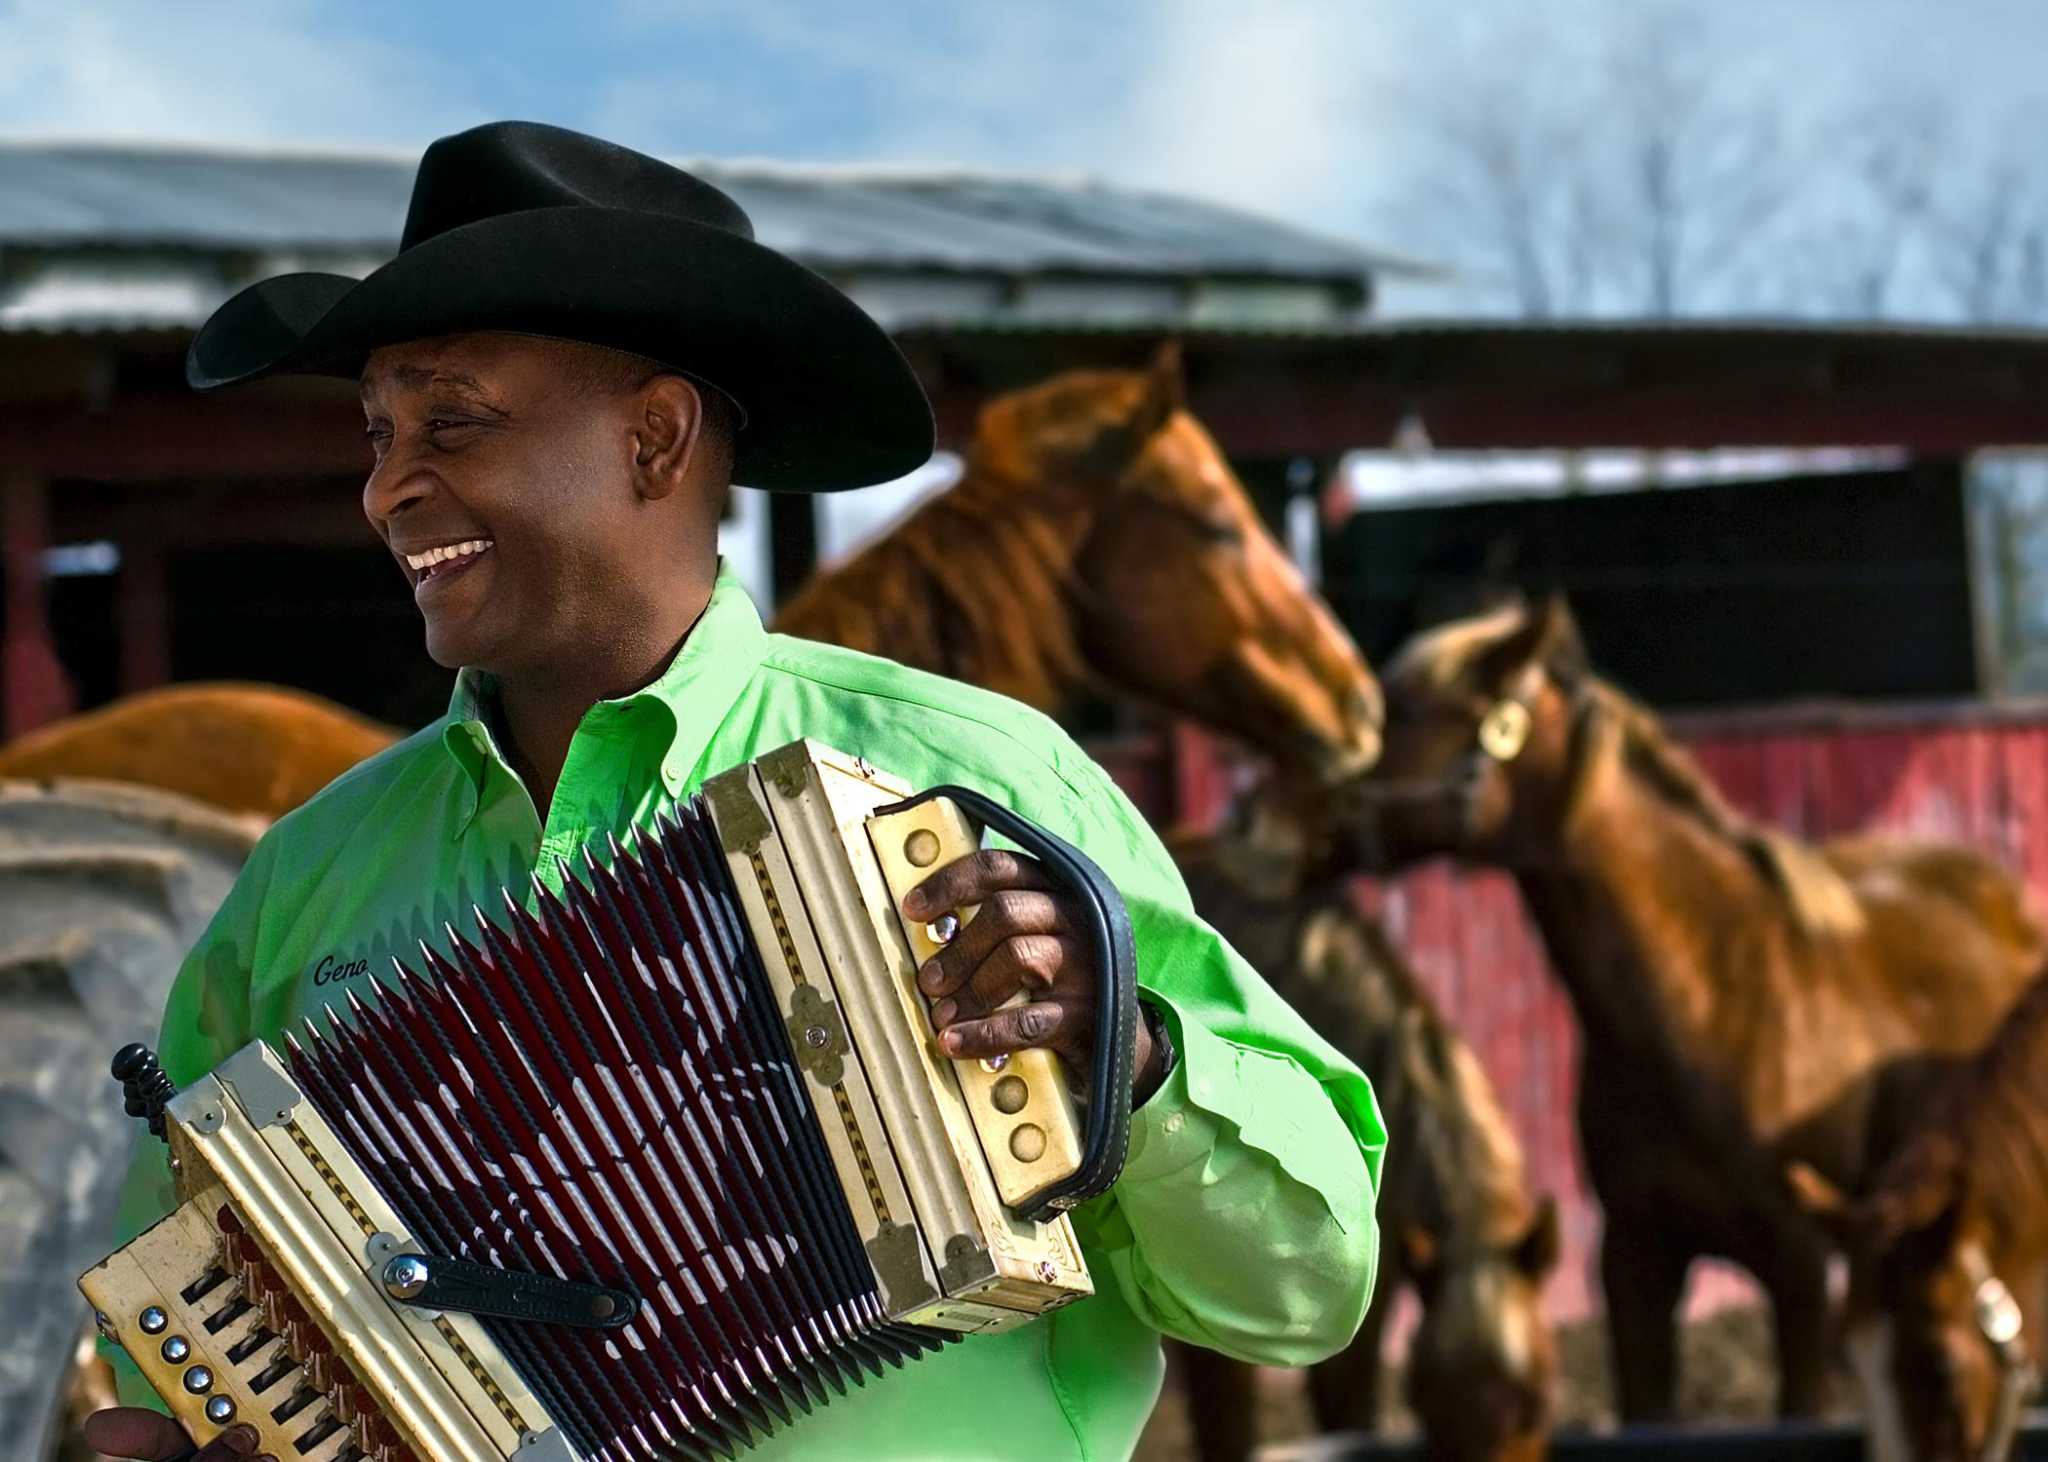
{"x": 648, "y": 1169}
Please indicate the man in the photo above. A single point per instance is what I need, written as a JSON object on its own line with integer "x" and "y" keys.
{"x": 575, "y": 350}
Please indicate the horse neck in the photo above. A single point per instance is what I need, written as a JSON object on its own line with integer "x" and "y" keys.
{"x": 1994, "y": 1118}
{"x": 975, "y": 585}
{"x": 1460, "y": 1175}
{"x": 1631, "y": 888}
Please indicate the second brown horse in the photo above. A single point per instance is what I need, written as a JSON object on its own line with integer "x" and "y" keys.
{"x": 1743, "y": 999}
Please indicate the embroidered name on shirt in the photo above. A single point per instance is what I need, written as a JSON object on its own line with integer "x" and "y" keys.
{"x": 330, "y": 971}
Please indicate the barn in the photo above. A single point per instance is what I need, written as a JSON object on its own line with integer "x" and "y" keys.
{"x": 153, "y": 535}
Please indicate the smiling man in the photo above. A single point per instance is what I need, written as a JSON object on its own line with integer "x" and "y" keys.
{"x": 574, "y": 353}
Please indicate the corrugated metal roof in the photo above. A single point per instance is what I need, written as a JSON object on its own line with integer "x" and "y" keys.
{"x": 102, "y": 194}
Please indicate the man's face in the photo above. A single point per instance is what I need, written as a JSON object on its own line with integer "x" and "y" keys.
{"x": 504, "y": 488}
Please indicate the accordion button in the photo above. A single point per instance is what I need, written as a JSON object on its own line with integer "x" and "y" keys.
{"x": 1027, "y": 1143}
{"x": 942, "y": 929}
{"x": 198, "y": 1380}
{"x": 176, "y": 1348}
{"x": 153, "y": 1321}
{"x": 922, "y": 848}
{"x": 219, "y": 1410}
{"x": 1009, "y": 1095}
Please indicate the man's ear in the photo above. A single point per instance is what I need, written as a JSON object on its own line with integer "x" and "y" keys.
{"x": 668, "y": 429}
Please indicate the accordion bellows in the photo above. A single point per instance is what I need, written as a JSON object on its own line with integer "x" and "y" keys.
{"x": 697, "y": 1081}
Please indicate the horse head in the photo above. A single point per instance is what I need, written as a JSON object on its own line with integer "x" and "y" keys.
{"x": 1179, "y": 595}
{"x": 1478, "y": 739}
{"x": 1482, "y": 1365}
{"x": 1943, "y": 1349}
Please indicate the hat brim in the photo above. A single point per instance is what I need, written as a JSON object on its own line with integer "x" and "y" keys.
{"x": 830, "y": 401}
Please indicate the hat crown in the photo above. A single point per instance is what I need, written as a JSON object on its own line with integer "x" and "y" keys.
{"x": 511, "y": 167}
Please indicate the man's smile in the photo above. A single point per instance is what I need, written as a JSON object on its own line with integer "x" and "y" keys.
{"x": 443, "y": 562}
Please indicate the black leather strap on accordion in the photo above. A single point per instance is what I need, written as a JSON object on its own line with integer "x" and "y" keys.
{"x": 1108, "y": 1134}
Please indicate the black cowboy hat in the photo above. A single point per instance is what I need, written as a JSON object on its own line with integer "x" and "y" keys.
{"x": 537, "y": 230}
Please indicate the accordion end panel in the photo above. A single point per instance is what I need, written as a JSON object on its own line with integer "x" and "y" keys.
{"x": 241, "y": 1305}
{"x": 824, "y": 916}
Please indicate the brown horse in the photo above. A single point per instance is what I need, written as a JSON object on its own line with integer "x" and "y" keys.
{"x": 1461, "y": 1226}
{"x": 1098, "y": 539}
{"x": 247, "y": 748}
{"x": 1948, "y": 1253}
{"x": 1742, "y": 998}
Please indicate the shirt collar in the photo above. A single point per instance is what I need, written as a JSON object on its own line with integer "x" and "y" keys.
{"x": 717, "y": 659}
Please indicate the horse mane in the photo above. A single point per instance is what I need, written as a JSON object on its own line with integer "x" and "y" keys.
{"x": 975, "y": 585}
{"x": 1820, "y": 899}
{"x": 1463, "y": 1165}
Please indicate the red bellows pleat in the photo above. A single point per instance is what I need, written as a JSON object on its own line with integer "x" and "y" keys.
{"x": 604, "y": 1090}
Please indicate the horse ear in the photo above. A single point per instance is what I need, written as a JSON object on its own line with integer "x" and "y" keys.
{"x": 1164, "y": 392}
{"x": 1161, "y": 392}
{"x": 1548, "y": 636}
{"x": 1166, "y": 380}
{"x": 1536, "y": 1252}
{"x": 1824, "y": 1203}
{"x": 1923, "y": 1234}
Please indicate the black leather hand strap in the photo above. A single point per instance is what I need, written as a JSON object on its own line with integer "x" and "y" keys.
{"x": 1108, "y": 930}
{"x": 478, "y": 1289}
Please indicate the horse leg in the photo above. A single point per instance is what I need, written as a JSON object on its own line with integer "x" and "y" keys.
{"x": 1643, "y": 1280}
{"x": 1797, "y": 1280}
{"x": 1222, "y": 1400}
{"x": 1345, "y": 1389}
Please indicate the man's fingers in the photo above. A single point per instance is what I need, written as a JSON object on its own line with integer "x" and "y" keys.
{"x": 972, "y": 879}
{"x": 133, "y": 1431}
{"x": 1028, "y": 962}
{"x": 1003, "y": 916}
{"x": 1043, "y": 1023}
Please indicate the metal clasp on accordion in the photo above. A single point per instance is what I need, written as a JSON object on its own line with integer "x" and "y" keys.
{"x": 699, "y": 1076}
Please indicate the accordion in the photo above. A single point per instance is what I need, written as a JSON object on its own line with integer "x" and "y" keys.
{"x": 649, "y": 1168}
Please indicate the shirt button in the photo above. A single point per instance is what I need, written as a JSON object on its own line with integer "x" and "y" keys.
{"x": 1174, "y": 1122}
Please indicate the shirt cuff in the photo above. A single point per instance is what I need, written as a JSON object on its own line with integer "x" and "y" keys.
{"x": 1219, "y": 1091}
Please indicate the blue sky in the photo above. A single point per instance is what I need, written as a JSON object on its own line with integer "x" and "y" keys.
{"x": 1319, "y": 110}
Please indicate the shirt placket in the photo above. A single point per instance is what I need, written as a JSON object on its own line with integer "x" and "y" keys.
{"x": 593, "y": 796}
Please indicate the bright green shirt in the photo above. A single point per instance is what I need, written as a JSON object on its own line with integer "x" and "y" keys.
{"x": 1243, "y": 1220}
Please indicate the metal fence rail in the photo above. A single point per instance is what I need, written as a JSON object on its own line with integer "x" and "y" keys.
{"x": 1789, "y": 1441}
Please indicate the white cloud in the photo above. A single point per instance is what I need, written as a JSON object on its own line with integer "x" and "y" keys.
{"x": 1270, "y": 106}
{"x": 240, "y": 71}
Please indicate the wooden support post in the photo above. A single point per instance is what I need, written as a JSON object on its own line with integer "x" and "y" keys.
{"x": 793, "y": 542}
{"x": 33, "y": 687}
{"x": 142, "y": 617}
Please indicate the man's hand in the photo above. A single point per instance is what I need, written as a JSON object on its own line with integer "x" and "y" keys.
{"x": 1027, "y": 936}
{"x": 134, "y": 1431}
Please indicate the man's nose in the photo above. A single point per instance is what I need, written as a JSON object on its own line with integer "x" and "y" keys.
{"x": 393, "y": 486}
